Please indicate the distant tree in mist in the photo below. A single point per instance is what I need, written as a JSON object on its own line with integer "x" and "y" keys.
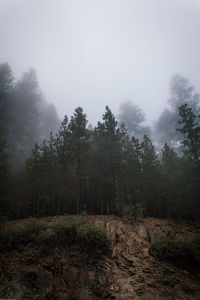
{"x": 49, "y": 121}
{"x": 25, "y": 115}
{"x": 133, "y": 117}
{"x": 165, "y": 128}
{"x": 6, "y": 85}
{"x": 6, "y": 77}
{"x": 25, "y": 118}
{"x": 181, "y": 92}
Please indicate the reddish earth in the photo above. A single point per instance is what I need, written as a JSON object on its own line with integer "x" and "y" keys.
{"x": 131, "y": 273}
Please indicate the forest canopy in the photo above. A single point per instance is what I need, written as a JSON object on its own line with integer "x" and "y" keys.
{"x": 47, "y": 168}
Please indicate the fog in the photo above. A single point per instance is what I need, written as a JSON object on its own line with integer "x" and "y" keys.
{"x": 96, "y": 53}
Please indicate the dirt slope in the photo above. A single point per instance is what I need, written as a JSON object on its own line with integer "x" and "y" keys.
{"x": 130, "y": 273}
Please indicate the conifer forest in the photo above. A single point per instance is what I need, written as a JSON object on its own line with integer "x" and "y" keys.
{"x": 119, "y": 166}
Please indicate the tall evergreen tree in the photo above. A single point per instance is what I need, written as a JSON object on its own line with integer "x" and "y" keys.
{"x": 150, "y": 177}
{"x": 4, "y": 180}
{"x": 6, "y": 86}
{"x": 108, "y": 158}
{"x": 191, "y": 132}
{"x": 79, "y": 147}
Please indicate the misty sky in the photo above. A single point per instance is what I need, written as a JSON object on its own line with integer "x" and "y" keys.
{"x": 91, "y": 53}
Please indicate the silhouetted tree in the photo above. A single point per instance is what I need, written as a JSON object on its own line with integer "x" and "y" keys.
{"x": 191, "y": 132}
{"x": 108, "y": 153}
{"x": 6, "y": 86}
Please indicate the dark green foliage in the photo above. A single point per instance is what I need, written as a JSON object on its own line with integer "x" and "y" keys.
{"x": 108, "y": 155}
{"x": 62, "y": 231}
{"x": 97, "y": 289}
{"x": 168, "y": 249}
{"x": 184, "y": 254}
{"x": 6, "y": 86}
{"x": 89, "y": 237}
{"x": 186, "y": 287}
{"x": 33, "y": 226}
{"x": 14, "y": 236}
{"x": 191, "y": 132}
{"x": 195, "y": 248}
{"x": 101, "y": 170}
{"x": 5, "y": 178}
{"x": 46, "y": 238}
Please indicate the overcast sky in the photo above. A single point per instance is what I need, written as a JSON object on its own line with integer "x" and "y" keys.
{"x": 93, "y": 53}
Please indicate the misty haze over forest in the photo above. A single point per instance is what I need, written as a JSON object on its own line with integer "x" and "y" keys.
{"x": 97, "y": 53}
{"x": 99, "y": 108}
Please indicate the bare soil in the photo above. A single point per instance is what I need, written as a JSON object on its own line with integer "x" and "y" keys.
{"x": 31, "y": 272}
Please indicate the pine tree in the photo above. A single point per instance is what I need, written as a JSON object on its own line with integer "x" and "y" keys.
{"x": 150, "y": 177}
{"x": 25, "y": 129}
{"x": 191, "y": 132}
{"x": 108, "y": 139}
{"x": 79, "y": 148}
{"x": 6, "y": 86}
{"x": 4, "y": 180}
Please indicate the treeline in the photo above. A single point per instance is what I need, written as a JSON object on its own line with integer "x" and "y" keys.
{"x": 105, "y": 170}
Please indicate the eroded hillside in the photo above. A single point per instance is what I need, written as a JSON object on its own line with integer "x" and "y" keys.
{"x": 130, "y": 272}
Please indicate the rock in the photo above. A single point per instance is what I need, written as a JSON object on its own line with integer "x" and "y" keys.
{"x": 131, "y": 271}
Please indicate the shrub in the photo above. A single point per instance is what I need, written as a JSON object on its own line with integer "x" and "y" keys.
{"x": 129, "y": 210}
{"x": 11, "y": 237}
{"x": 195, "y": 248}
{"x": 184, "y": 254}
{"x": 46, "y": 238}
{"x": 3, "y": 219}
{"x": 29, "y": 231}
{"x": 5, "y": 238}
{"x": 33, "y": 225}
{"x": 63, "y": 231}
{"x": 97, "y": 289}
{"x": 78, "y": 231}
{"x": 94, "y": 238}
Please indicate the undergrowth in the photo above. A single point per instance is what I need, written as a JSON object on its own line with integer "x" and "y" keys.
{"x": 79, "y": 231}
{"x": 184, "y": 254}
{"x": 23, "y": 234}
{"x": 61, "y": 232}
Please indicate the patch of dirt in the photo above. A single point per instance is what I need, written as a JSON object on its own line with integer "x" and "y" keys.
{"x": 131, "y": 273}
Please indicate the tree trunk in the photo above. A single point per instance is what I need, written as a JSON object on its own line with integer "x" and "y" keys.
{"x": 59, "y": 203}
